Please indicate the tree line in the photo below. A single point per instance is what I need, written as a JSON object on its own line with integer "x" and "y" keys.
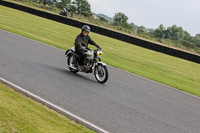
{"x": 173, "y": 35}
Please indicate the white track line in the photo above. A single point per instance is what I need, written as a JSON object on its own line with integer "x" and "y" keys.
{"x": 55, "y": 107}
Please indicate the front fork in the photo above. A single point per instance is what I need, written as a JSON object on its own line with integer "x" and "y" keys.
{"x": 99, "y": 63}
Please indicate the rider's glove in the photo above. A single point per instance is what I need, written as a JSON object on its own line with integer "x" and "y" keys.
{"x": 98, "y": 47}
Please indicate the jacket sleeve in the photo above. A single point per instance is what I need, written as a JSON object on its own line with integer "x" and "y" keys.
{"x": 90, "y": 41}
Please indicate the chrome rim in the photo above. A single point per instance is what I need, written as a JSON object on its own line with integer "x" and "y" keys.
{"x": 70, "y": 61}
{"x": 100, "y": 73}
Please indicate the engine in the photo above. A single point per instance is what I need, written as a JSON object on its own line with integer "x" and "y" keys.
{"x": 90, "y": 55}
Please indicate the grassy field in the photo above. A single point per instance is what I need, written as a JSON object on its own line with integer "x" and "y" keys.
{"x": 20, "y": 114}
{"x": 172, "y": 71}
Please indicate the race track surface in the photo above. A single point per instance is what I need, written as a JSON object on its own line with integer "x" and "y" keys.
{"x": 127, "y": 103}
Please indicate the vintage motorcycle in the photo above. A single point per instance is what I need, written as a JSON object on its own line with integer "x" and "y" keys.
{"x": 92, "y": 63}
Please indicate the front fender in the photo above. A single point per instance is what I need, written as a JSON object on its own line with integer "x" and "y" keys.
{"x": 101, "y": 63}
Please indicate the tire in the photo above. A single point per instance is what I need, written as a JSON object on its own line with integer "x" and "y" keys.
{"x": 101, "y": 73}
{"x": 69, "y": 63}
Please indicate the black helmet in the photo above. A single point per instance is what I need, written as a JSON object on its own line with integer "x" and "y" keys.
{"x": 86, "y": 28}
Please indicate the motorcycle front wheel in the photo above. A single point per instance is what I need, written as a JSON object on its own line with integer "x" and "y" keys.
{"x": 101, "y": 73}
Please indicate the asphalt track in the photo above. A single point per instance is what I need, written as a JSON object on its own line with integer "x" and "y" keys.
{"x": 127, "y": 103}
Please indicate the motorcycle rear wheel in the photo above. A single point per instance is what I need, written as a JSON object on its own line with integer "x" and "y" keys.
{"x": 69, "y": 63}
{"x": 101, "y": 73}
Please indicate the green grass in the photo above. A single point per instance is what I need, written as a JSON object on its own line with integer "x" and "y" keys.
{"x": 169, "y": 70}
{"x": 20, "y": 114}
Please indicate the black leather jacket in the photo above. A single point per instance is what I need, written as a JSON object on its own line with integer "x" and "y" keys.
{"x": 81, "y": 42}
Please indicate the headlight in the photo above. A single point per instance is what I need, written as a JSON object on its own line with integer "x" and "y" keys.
{"x": 99, "y": 53}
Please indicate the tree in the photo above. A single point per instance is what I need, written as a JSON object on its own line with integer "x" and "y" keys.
{"x": 103, "y": 19}
{"x": 160, "y": 31}
{"x": 196, "y": 40}
{"x": 120, "y": 19}
{"x": 176, "y": 32}
{"x": 142, "y": 30}
{"x": 134, "y": 28}
{"x": 82, "y": 7}
{"x": 63, "y": 4}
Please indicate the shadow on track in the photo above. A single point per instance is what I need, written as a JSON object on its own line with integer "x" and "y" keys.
{"x": 65, "y": 72}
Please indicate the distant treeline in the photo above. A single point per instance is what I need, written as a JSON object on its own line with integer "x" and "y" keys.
{"x": 173, "y": 36}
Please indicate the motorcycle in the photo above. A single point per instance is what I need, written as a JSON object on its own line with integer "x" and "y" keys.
{"x": 92, "y": 63}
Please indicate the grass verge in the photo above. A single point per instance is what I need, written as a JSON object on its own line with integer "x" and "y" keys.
{"x": 20, "y": 114}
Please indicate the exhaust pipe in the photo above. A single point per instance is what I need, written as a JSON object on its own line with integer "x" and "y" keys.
{"x": 72, "y": 67}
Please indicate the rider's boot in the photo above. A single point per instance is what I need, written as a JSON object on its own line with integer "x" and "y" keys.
{"x": 80, "y": 68}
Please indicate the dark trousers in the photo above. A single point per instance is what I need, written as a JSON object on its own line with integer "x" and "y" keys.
{"x": 82, "y": 56}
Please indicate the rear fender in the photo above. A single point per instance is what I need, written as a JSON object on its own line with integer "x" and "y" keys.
{"x": 69, "y": 52}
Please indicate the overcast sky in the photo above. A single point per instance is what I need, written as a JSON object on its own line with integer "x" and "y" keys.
{"x": 152, "y": 13}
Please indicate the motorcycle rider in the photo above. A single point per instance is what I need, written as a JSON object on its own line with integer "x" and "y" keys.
{"x": 81, "y": 44}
